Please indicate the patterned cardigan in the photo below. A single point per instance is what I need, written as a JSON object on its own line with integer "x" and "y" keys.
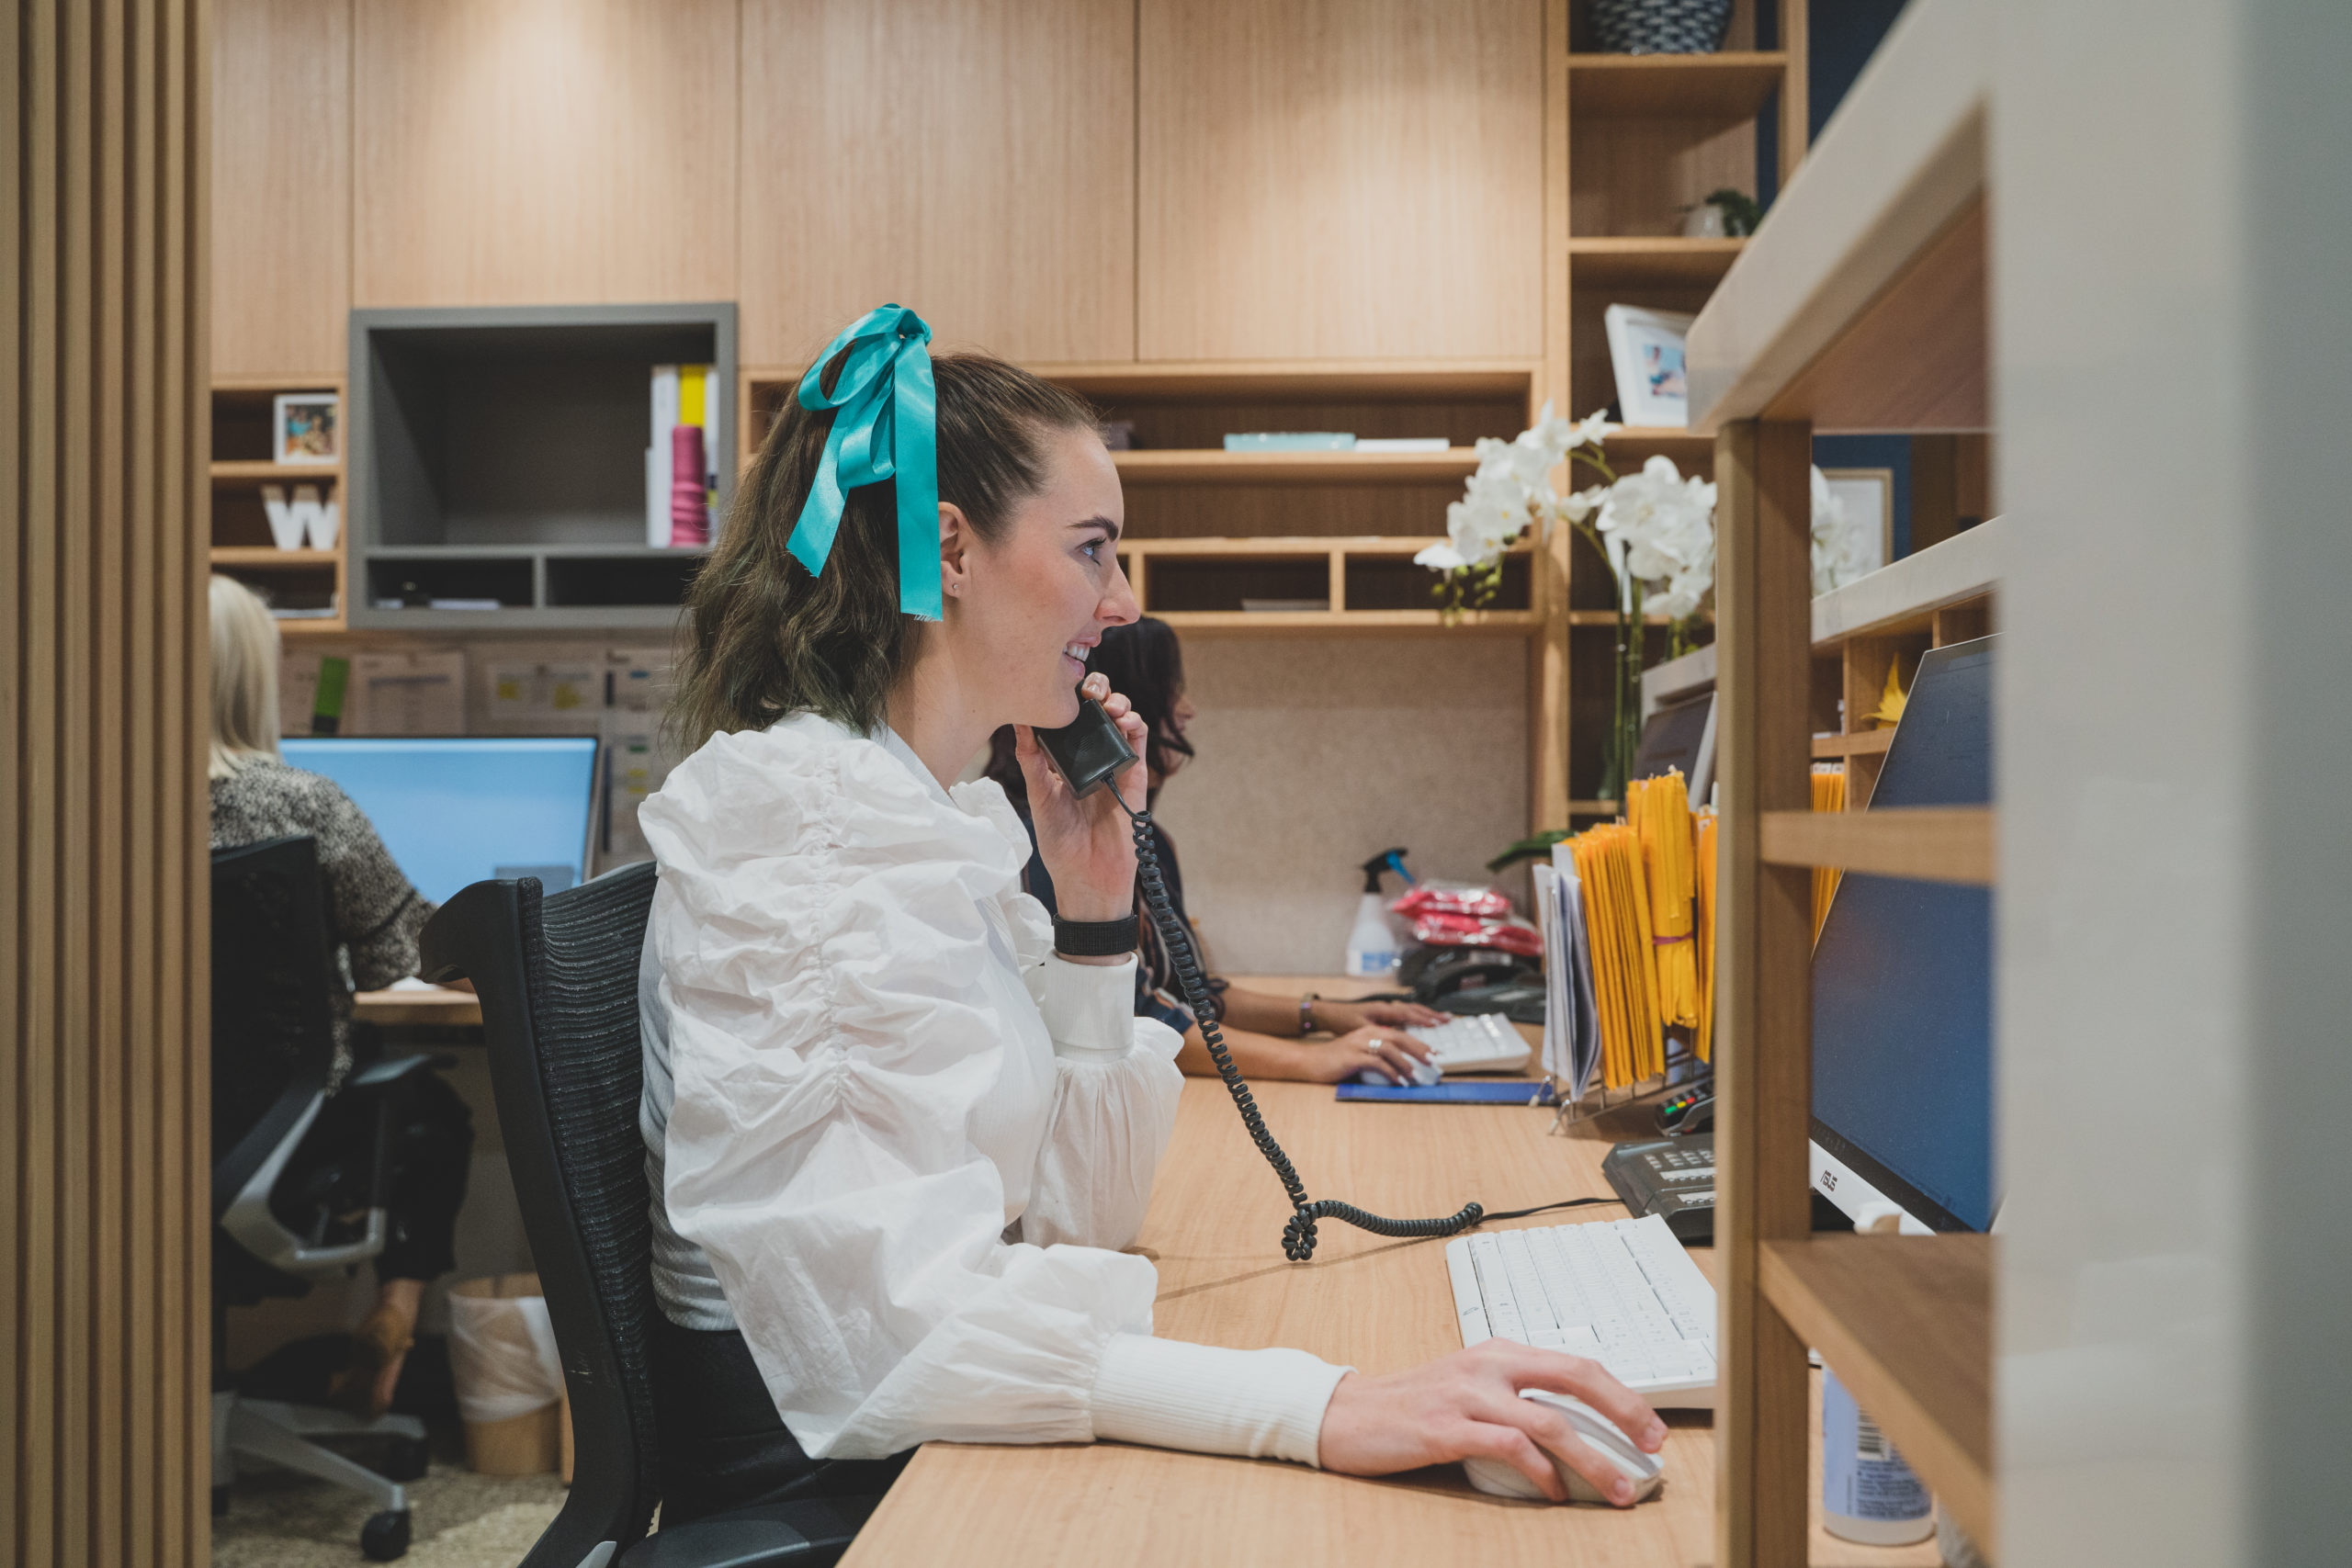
{"x": 374, "y": 914}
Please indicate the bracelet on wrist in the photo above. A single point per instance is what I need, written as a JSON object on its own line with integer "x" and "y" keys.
{"x": 1306, "y": 1013}
{"x": 1094, "y": 938}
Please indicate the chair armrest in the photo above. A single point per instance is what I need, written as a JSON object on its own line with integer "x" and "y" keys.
{"x": 391, "y": 1069}
{"x": 804, "y": 1533}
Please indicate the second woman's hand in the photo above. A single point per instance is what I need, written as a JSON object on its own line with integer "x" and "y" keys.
{"x": 1088, "y": 845}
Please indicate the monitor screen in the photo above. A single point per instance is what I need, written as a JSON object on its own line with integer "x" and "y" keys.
{"x": 460, "y": 810}
{"x": 1902, "y": 978}
{"x": 1679, "y": 736}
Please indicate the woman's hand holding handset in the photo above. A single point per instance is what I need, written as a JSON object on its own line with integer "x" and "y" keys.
{"x": 1466, "y": 1405}
{"x": 1088, "y": 845}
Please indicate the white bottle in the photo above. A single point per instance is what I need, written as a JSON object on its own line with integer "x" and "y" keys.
{"x": 1868, "y": 1494}
{"x": 1372, "y": 948}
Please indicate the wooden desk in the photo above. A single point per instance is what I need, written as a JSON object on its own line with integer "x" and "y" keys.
{"x": 1215, "y": 1231}
{"x": 407, "y": 1009}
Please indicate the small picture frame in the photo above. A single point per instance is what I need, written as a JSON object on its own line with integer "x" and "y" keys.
{"x": 1867, "y": 496}
{"x": 1645, "y": 350}
{"x": 306, "y": 428}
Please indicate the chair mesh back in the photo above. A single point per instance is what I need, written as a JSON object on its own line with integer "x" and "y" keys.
{"x": 272, "y": 1027}
{"x": 580, "y": 953}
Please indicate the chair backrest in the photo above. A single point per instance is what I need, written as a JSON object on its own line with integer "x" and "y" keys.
{"x": 558, "y": 980}
{"x": 273, "y": 1030}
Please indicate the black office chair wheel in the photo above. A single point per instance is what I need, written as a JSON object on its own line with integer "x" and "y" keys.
{"x": 220, "y": 1502}
{"x": 407, "y": 1459}
{"x": 385, "y": 1536}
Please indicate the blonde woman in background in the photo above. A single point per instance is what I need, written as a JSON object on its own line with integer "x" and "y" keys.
{"x": 376, "y": 915}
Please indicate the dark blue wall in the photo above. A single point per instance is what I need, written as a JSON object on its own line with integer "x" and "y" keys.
{"x": 1844, "y": 34}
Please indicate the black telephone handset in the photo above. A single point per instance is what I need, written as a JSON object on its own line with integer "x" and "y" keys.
{"x": 1090, "y": 753}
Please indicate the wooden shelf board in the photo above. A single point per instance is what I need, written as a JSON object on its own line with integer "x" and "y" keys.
{"x": 1608, "y": 618}
{"x": 312, "y": 627}
{"x": 1594, "y": 808}
{"x": 1351, "y": 622}
{"x": 1660, "y": 436}
{"x": 1931, "y": 843}
{"x": 1639, "y": 260}
{"x": 1295, "y": 547}
{"x": 1284, "y": 378}
{"x": 252, "y": 385}
{"x": 292, "y": 473}
{"x": 1264, "y": 380}
{"x": 1907, "y": 1323}
{"x": 1213, "y": 466}
{"x": 1732, "y": 86}
{"x": 1867, "y": 743}
{"x": 271, "y": 555}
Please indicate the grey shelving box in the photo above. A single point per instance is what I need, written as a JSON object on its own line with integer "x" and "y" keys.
{"x": 499, "y": 453}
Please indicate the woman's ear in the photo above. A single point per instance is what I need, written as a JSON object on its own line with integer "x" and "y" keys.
{"x": 956, "y": 544}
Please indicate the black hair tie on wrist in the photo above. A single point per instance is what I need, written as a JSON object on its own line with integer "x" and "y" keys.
{"x": 1094, "y": 938}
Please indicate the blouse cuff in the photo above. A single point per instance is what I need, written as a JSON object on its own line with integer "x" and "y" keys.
{"x": 1090, "y": 1008}
{"x": 1170, "y": 1395}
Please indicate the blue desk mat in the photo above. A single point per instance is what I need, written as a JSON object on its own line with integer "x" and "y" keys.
{"x": 1464, "y": 1092}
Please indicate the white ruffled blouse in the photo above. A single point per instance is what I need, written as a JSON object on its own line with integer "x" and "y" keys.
{"x": 894, "y": 1140}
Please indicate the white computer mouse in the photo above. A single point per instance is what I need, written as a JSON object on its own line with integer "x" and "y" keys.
{"x": 1424, "y": 1074}
{"x": 1646, "y": 1472}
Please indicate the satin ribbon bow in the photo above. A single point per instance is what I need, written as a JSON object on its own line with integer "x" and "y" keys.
{"x": 886, "y": 427}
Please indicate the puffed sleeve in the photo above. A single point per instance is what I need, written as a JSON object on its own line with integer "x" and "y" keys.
{"x": 824, "y": 935}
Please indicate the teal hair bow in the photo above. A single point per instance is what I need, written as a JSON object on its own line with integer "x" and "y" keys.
{"x": 886, "y": 427}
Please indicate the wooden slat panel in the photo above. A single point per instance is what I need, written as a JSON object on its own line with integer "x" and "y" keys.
{"x": 1934, "y": 843}
{"x": 103, "y": 1200}
{"x": 1907, "y": 1322}
{"x": 1763, "y": 1045}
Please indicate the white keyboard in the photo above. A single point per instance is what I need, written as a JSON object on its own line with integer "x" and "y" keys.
{"x": 1485, "y": 1042}
{"x": 1621, "y": 1292}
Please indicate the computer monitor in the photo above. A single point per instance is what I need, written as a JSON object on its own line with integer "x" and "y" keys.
{"x": 1903, "y": 989}
{"x": 1680, "y": 735}
{"x": 455, "y": 810}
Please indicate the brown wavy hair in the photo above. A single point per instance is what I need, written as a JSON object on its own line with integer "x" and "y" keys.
{"x": 768, "y": 640}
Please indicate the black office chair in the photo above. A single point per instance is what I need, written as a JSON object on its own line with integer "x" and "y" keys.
{"x": 557, "y": 976}
{"x": 287, "y": 1209}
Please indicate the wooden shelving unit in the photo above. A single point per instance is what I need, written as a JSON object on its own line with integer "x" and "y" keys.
{"x": 241, "y": 545}
{"x": 1874, "y": 245}
{"x": 1633, "y": 141}
{"x": 1368, "y": 583}
{"x": 1730, "y": 86}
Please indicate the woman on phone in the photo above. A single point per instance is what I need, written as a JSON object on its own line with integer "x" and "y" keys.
{"x": 1305, "y": 1036}
{"x": 899, "y": 1122}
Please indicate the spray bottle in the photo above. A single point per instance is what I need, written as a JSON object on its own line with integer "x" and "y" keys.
{"x": 1373, "y": 945}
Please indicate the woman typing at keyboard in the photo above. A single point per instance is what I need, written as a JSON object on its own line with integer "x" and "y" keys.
{"x": 900, "y": 1121}
{"x": 1308, "y": 1037}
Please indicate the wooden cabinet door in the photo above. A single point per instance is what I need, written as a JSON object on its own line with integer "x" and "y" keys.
{"x": 1330, "y": 180}
{"x": 972, "y": 159}
{"x": 544, "y": 152}
{"x": 281, "y": 188}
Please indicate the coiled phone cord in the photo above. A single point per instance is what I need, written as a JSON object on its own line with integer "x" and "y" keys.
{"x": 1298, "y": 1235}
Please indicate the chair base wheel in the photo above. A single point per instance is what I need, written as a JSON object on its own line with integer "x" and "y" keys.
{"x": 407, "y": 1460}
{"x": 385, "y": 1536}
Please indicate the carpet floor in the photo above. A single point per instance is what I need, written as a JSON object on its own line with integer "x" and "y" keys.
{"x": 458, "y": 1519}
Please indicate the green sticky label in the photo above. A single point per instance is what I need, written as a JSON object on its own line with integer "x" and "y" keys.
{"x": 326, "y": 710}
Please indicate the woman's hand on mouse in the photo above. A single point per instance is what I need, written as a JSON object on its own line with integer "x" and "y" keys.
{"x": 1088, "y": 845}
{"x": 1466, "y": 1405}
{"x": 1392, "y": 1051}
